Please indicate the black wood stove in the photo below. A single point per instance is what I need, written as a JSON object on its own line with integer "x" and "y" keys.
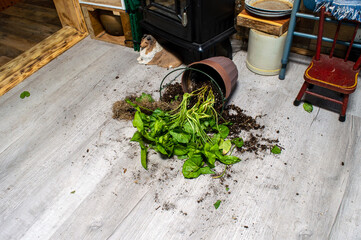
{"x": 195, "y": 29}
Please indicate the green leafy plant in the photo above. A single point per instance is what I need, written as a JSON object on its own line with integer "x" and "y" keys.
{"x": 307, "y": 107}
{"x": 188, "y": 132}
{"x": 24, "y": 94}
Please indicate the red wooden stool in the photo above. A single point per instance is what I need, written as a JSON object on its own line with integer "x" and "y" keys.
{"x": 336, "y": 74}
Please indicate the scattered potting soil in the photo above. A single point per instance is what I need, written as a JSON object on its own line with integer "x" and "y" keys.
{"x": 242, "y": 125}
{"x": 241, "y": 122}
{"x": 172, "y": 92}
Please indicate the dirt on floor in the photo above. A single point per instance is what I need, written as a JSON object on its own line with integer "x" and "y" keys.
{"x": 243, "y": 125}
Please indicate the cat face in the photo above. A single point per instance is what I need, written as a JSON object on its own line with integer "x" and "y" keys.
{"x": 148, "y": 41}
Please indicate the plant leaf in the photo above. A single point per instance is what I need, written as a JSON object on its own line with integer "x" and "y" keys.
{"x": 276, "y": 150}
{"x": 24, "y": 94}
{"x": 206, "y": 170}
{"x": 161, "y": 149}
{"x": 138, "y": 122}
{"x": 209, "y": 153}
{"x": 137, "y": 136}
{"x": 217, "y": 204}
{"x": 308, "y": 107}
{"x": 228, "y": 160}
{"x": 157, "y": 127}
{"x": 192, "y": 167}
{"x": 180, "y": 150}
{"x": 223, "y": 131}
{"x": 216, "y": 138}
{"x": 143, "y": 157}
{"x": 187, "y": 127}
{"x": 180, "y": 137}
{"x": 225, "y": 146}
{"x": 238, "y": 142}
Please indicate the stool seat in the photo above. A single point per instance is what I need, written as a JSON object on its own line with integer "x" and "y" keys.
{"x": 332, "y": 73}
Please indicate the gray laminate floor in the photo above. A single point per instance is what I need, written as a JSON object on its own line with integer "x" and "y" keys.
{"x": 68, "y": 170}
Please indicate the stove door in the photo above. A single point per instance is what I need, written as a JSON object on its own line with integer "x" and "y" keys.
{"x": 171, "y": 16}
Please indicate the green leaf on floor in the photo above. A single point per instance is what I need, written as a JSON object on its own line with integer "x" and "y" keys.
{"x": 276, "y": 150}
{"x": 216, "y": 205}
{"x": 308, "y": 107}
{"x": 72, "y": 192}
{"x": 24, "y": 94}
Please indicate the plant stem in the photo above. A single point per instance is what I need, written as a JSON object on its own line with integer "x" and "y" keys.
{"x": 224, "y": 171}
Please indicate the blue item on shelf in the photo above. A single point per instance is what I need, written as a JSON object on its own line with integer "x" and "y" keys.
{"x": 310, "y": 4}
{"x": 342, "y": 9}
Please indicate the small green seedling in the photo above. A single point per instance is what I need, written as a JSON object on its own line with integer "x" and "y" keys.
{"x": 24, "y": 94}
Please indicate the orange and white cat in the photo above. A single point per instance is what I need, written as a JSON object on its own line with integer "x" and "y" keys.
{"x": 152, "y": 53}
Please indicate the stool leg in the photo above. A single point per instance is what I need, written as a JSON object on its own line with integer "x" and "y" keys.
{"x": 342, "y": 117}
{"x": 289, "y": 38}
{"x": 300, "y": 94}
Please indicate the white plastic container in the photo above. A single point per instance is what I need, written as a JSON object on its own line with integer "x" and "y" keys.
{"x": 265, "y": 52}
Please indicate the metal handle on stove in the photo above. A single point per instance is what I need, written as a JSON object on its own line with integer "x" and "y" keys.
{"x": 184, "y": 19}
{"x": 184, "y": 16}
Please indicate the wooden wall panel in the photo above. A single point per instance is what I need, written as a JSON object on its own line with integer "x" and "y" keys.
{"x": 70, "y": 14}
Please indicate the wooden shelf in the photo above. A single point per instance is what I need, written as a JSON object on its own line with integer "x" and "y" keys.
{"x": 106, "y": 3}
{"x": 276, "y": 26}
{"x": 97, "y": 31}
{"x": 103, "y": 36}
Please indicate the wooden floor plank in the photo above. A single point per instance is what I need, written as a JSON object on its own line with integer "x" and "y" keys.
{"x": 61, "y": 69}
{"x": 68, "y": 170}
{"x": 22, "y": 24}
{"x": 4, "y": 60}
{"x": 10, "y": 52}
{"x": 14, "y": 41}
{"x": 34, "y": 13}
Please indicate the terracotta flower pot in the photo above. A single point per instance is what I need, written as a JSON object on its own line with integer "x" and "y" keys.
{"x": 221, "y": 69}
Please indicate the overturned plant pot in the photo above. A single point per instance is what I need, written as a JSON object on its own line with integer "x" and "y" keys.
{"x": 221, "y": 69}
